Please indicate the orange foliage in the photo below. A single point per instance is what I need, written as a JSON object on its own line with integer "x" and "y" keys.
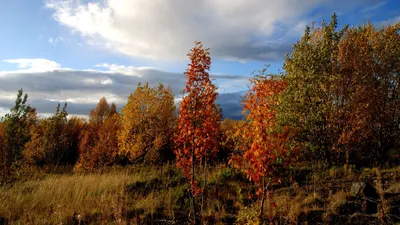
{"x": 230, "y": 139}
{"x": 366, "y": 108}
{"x": 198, "y": 116}
{"x": 54, "y": 140}
{"x": 99, "y": 141}
{"x": 266, "y": 146}
{"x": 265, "y": 153}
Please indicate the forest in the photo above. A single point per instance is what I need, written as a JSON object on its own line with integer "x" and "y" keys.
{"x": 319, "y": 143}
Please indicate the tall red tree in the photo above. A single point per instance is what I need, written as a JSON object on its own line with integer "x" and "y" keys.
{"x": 198, "y": 119}
{"x": 265, "y": 152}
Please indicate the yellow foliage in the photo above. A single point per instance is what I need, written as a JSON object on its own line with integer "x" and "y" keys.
{"x": 148, "y": 123}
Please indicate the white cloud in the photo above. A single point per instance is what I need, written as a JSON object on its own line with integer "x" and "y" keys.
{"x": 373, "y": 7}
{"x": 390, "y": 21}
{"x": 33, "y": 65}
{"x": 55, "y": 41}
{"x": 167, "y": 29}
{"x": 126, "y": 70}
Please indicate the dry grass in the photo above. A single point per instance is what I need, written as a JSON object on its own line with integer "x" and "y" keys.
{"x": 288, "y": 207}
{"x": 119, "y": 195}
{"x": 152, "y": 201}
{"x": 61, "y": 198}
{"x": 126, "y": 195}
{"x": 394, "y": 188}
{"x": 248, "y": 215}
{"x": 335, "y": 201}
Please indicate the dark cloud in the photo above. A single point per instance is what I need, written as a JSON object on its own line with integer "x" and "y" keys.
{"x": 268, "y": 52}
{"x": 82, "y": 89}
{"x": 49, "y": 107}
{"x": 231, "y": 104}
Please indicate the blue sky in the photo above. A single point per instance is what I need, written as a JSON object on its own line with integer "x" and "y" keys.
{"x": 78, "y": 51}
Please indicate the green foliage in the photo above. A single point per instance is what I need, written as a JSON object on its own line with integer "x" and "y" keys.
{"x": 343, "y": 92}
{"x": 15, "y": 133}
{"x": 51, "y": 142}
{"x": 3, "y": 155}
{"x": 306, "y": 101}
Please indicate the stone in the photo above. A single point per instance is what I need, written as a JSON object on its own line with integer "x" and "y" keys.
{"x": 365, "y": 193}
{"x": 357, "y": 188}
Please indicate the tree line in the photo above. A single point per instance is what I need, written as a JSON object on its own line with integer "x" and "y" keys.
{"x": 336, "y": 102}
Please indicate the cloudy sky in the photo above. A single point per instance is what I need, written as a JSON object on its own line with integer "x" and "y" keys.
{"x": 77, "y": 51}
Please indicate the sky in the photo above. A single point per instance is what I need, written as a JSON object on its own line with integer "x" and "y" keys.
{"x": 77, "y": 51}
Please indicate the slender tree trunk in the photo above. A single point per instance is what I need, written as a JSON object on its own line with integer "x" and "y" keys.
{"x": 204, "y": 185}
{"x": 192, "y": 194}
{"x": 263, "y": 198}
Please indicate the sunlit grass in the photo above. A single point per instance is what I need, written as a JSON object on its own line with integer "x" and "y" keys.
{"x": 56, "y": 198}
{"x": 142, "y": 193}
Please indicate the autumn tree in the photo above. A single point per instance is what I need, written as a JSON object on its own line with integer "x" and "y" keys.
{"x": 3, "y": 156}
{"x": 368, "y": 87}
{"x": 342, "y": 93}
{"x": 51, "y": 143}
{"x": 148, "y": 122}
{"x": 385, "y": 45}
{"x": 99, "y": 139}
{"x": 352, "y": 88}
{"x": 73, "y": 129}
{"x": 196, "y": 140}
{"x": 265, "y": 154}
{"x": 16, "y": 131}
{"x": 102, "y": 111}
{"x": 230, "y": 139}
{"x": 307, "y": 103}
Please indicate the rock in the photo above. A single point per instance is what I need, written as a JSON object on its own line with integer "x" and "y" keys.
{"x": 367, "y": 194}
{"x": 357, "y": 188}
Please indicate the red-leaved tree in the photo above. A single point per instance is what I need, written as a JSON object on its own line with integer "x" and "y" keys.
{"x": 198, "y": 119}
{"x": 265, "y": 153}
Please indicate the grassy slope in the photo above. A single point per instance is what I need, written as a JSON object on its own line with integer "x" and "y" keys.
{"x": 141, "y": 194}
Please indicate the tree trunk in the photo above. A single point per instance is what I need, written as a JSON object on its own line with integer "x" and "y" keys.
{"x": 347, "y": 161}
{"x": 204, "y": 185}
{"x": 192, "y": 194}
{"x": 263, "y": 199}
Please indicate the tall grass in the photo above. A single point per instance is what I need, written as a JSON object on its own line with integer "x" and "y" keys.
{"x": 143, "y": 194}
{"x": 61, "y": 198}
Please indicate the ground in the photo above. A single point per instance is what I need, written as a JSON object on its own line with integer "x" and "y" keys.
{"x": 158, "y": 195}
